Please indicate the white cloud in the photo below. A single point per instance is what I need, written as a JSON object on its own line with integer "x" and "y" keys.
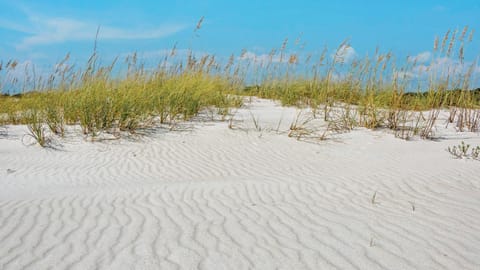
{"x": 420, "y": 58}
{"x": 261, "y": 59}
{"x": 344, "y": 54}
{"x": 402, "y": 74}
{"x": 7, "y": 24}
{"x": 177, "y": 53}
{"x": 440, "y": 67}
{"x": 44, "y": 31}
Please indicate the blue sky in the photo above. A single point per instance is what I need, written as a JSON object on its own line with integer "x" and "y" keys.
{"x": 43, "y": 32}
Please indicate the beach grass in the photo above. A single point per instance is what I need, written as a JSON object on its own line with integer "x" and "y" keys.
{"x": 373, "y": 92}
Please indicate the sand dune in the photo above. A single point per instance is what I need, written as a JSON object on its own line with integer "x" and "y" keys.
{"x": 209, "y": 197}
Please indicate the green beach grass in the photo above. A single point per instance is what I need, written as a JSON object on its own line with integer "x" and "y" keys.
{"x": 372, "y": 91}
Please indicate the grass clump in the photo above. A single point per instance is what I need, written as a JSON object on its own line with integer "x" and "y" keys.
{"x": 36, "y": 128}
{"x": 100, "y": 102}
{"x": 464, "y": 151}
{"x": 370, "y": 92}
{"x": 375, "y": 93}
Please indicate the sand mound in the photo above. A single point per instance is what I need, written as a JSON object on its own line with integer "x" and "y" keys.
{"x": 211, "y": 197}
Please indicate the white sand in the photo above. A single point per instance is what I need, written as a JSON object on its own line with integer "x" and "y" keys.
{"x": 214, "y": 198}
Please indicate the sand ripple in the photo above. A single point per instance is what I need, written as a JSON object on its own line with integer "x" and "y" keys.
{"x": 214, "y": 198}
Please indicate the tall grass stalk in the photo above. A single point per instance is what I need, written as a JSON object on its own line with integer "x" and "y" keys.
{"x": 372, "y": 92}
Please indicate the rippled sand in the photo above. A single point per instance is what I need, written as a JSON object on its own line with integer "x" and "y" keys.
{"x": 210, "y": 197}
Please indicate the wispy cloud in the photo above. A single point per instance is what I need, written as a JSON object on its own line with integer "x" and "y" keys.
{"x": 425, "y": 65}
{"x": 7, "y": 24}
{"x": 41, "y": 30}
{"x": 420, "y": 58}
{"x": 444, "y": 66}
{"x": 260, "y": 59}
{"x": 344, "y": 54}
{"x": 171, "y": 53}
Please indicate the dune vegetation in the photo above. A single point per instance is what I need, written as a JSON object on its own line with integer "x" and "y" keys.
{"x": 371, "y": 92}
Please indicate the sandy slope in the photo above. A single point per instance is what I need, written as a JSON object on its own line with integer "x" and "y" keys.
{"x": 214, "y": 198}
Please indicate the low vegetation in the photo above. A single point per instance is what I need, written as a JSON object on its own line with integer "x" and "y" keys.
{"x": 100, "y": 103}
{"x": 465, "y": 151}
{"x": 371, "y": 92}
